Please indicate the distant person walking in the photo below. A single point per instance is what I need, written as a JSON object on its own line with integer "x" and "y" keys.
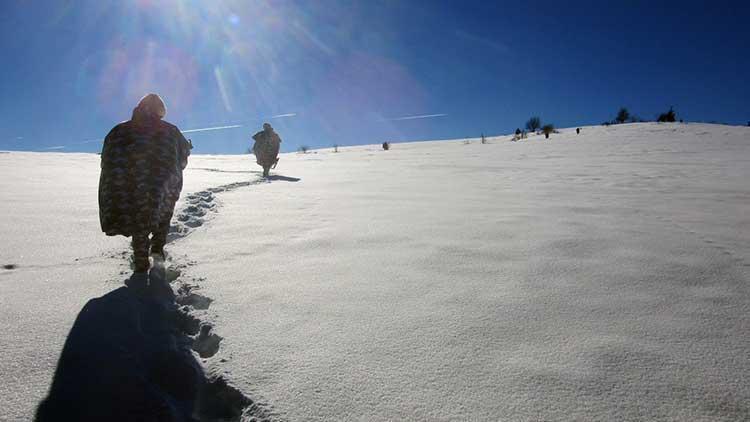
{"x": 266, "y": 148}
{"x": 141, "y": 179}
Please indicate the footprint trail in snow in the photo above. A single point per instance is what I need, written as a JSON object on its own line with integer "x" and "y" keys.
{"x": 220, "y": 401}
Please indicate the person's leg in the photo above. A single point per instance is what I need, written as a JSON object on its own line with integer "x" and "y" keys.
{"x": 140, "y": 252}
{"x": 159, "y": 239}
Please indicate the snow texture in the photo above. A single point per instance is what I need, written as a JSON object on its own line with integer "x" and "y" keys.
{"x": 600, "y": 276}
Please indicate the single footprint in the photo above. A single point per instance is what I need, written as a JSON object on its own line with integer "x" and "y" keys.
{"x": 207, "y": 342}
{"x": 193, "y": 209}
{"x": 176, "y": 228}
{"x": 172, "y": 274}
{"x": 194, "y": 222}
{"x": 195, "y": 300}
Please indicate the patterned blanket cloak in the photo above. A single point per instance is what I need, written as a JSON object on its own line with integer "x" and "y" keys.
{"x": 266, "y": 148}
{"x": 141, "y": 176}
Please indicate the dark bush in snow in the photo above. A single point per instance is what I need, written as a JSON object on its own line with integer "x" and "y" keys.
{"x": 548, "y": 129}
{"x": 667, "y": 117}
{"x": 533, "y": 124}
{"x": 622, "y": 115}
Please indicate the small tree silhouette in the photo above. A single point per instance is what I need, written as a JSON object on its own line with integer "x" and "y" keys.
{"x": 667, "y": 117}
{"x": 548, "y": 129}
{"x": 484, "y": 140}
{"x": 335, "y": 147}
{"x": 303, "y": 149}
{"x": 622, "y": 115}
{"x": 533, "y": 124}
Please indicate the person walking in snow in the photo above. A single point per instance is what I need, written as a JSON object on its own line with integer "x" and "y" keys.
{"x": 141, "y": 179}
{"x": 266, "y": 148}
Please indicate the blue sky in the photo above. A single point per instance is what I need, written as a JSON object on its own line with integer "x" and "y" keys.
{"x": 345, "y": 72}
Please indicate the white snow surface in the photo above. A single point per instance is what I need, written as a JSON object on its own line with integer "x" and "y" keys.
{"x": 601, "y": 276}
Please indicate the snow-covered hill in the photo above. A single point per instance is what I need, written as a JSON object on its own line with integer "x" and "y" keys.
{"x": 600, "y": 276}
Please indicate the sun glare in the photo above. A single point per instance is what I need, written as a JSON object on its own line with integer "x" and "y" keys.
{"x": 237, "y": 61}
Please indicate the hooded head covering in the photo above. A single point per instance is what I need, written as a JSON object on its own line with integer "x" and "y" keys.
{"x": 150, "y": 107}
{"x": 267, "y": 127}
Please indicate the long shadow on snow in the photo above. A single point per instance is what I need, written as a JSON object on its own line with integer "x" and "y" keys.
{"x": 220, "y": 171}
{"x": 283, "y": 178}
{"x": 128, "y": 357}
{"x": 274, "y": 177}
